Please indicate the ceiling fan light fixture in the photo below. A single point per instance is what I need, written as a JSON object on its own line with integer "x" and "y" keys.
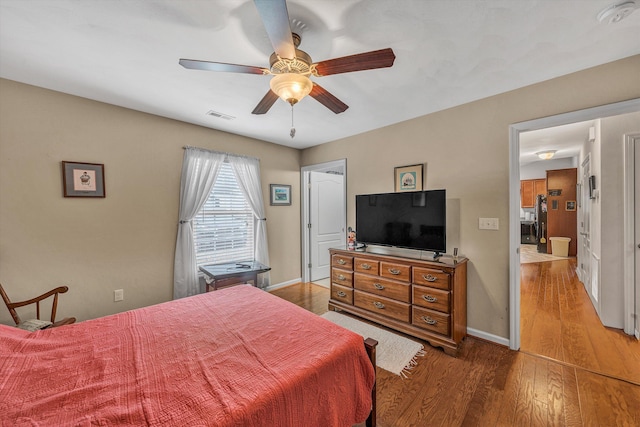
{"x": 546, "y": 155}
{"x": 291, "y": 87}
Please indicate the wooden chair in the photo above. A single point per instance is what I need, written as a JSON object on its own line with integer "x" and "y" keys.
{"x": 54, "y": 292}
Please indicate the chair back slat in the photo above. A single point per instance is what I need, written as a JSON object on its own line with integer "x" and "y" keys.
{"x": 10, "y": 307}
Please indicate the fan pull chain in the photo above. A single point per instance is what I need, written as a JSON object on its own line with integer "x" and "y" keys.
{"x": 293, "y": 129}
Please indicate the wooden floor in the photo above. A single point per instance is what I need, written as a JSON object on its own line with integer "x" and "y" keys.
{"x": 490, "y": 385}
{"x": 558, "y": 320}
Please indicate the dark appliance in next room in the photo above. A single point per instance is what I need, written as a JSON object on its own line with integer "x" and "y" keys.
{"x": 541, "y": 223}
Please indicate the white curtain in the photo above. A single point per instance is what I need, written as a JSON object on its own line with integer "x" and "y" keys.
{"x": 247, "y": 172}
{"x": 199, "y": 172}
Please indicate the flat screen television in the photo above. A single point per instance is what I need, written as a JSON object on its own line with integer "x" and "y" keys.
{"x": 414, "y": 220}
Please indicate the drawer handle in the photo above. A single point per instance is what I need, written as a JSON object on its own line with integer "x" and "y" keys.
{"x": 428, "y": 320}
{"x": 429, "y": 277}
{"x": 341, "y": 277}
{"x": 341, "y": 261}
{"x": 394, "y": 271}
{"x": 366, "y": 267}
{"x": 429, "y": 298}
{"x": 341, "y": 294}
{"x": 378, "y": 286}
{"x": 378, "y": 305}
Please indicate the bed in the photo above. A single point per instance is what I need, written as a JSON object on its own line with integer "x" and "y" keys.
{"x": 234, "y": 357}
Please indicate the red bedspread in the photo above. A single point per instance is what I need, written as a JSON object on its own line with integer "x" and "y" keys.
{"x": 234, "y": 357}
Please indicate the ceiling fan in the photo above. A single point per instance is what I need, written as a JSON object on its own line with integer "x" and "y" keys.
{"x": 291, "y": 67}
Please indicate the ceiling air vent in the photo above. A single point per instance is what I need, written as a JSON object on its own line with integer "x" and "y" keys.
{"x": 219, "y": 115}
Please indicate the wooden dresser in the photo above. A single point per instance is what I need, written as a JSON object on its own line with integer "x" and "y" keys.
{"x": 424, "y": 299}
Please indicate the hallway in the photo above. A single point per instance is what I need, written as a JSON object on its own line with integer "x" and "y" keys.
{"x": 558, "y": 321}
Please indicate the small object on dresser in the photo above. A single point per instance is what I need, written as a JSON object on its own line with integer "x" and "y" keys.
{"x": 351, "y": 239}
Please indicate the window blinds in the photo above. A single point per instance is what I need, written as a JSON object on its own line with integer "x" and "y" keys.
{"x": 224, "y": 228}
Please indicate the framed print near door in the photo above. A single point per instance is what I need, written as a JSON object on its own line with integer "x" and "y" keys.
{"x": 408, "y": 178}
{"x": 280, "y": 195}
{"x": 83, "y": 179}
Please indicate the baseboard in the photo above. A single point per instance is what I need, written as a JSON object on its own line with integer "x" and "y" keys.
{"x": 283, "y": 284}
{"x": 488, "y": 337}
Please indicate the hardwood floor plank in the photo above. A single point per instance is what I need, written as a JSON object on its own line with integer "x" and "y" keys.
{"x": 571, "y": 398}
{"x": 525, "y": 401}
{"x": 554, "y": 395}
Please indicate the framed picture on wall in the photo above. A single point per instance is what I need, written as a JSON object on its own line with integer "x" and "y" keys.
{"x": 280, "y": 194}
{"x": 83, "y": 179}
{"x": 571, "y": 205}
{"x": 408, "y": 178}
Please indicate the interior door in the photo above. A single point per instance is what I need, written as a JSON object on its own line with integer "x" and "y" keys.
{"x": 327, "y": 221}
{"x": 584, "y": 228}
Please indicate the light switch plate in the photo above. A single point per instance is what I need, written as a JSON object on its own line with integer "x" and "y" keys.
{"x": 118, "y": 295}
{"x": 488, "y": 223}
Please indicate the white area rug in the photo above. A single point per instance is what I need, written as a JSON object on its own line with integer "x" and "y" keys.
{"x": 394, "y": 353}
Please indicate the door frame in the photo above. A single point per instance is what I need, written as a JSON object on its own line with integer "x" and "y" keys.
{"x": 515, "y": 130}
{"x": 584, "y": 258}
{"x": 305, "y": 241}
{"x": 630, "y": 297}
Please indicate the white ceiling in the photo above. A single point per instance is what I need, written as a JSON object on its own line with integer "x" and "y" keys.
{"x": 566, "y": 140}
{"x": 448, "y": 52}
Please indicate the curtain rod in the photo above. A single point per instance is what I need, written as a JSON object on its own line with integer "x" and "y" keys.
{"x": 219, "y": 152}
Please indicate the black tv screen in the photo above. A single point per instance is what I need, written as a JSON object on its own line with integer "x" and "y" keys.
{"x": 415, "y": 220}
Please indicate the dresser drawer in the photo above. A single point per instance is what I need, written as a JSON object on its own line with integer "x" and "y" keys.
{"x": 364, "y": 265}
{"x": 434, "y": 299}
{"x": 342, "y": 293}
{"x": 342, "y": 261}
{"x": 395, "y": 271}
{"x": 342, "y": 277}
{"x": 383, "y": 287}
{"x": 432, "y": 278}
{"x": 431, "y": 320}
{"x": 381, "y": 305}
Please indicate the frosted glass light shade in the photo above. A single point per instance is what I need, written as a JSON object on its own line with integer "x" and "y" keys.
{"x": 546, "y": 155}
{"x": 291, "y": 87}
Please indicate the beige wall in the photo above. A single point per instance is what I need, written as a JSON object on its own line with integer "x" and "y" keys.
{"x": 466, "y": 151}
{"x": 126, "y": 240}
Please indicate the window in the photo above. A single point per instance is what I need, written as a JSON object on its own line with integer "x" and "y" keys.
{"x": 224, "y": 228}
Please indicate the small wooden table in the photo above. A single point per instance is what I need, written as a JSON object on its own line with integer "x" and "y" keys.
{"x": 235, "y": 273}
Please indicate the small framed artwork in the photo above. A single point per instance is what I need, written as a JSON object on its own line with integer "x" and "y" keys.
{"x": 571, "y": 205}
{"x": 280, "y": 194}
{"x": 83, "y": 179}
{"x": 408, "y": 178}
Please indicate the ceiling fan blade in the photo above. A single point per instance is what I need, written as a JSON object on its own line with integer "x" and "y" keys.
{"x": 193, "y": 64}
{"x": 265, "y": 104}
{"x": 361, "y": 61}
{"x": 275, "y": 18}
{"x": 325, "y": 98}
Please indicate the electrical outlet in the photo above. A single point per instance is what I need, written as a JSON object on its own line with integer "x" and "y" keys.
{"x": 488, "y": 223}
{"x": 118, "y": 295}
